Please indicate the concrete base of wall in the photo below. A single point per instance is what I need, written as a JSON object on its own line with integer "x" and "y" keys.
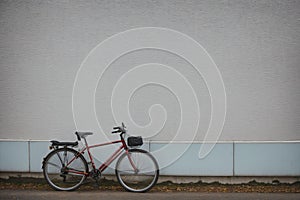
{"x": 229, "y": 180}
{"x": 183, "y": 179}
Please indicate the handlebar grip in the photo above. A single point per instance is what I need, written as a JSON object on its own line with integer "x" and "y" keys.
{"x": 115, "y": 131}
{"x": 116, "y": 127}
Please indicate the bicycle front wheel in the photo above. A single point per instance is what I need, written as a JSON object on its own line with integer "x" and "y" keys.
{"x": 65, "y": 169}
{"x": 137, "y": 170}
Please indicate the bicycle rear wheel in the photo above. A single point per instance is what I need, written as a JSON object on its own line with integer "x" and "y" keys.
{"x": 137, "y": 170}
{"x": 63, "y": 176}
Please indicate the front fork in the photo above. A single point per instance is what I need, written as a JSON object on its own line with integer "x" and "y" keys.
{"x": 136, "y": 170}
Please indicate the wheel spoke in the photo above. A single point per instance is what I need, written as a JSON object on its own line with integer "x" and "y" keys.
{"x": 132, "y": 171}
{"x": 55, "y": 165}
{"x": 62, "y": 163}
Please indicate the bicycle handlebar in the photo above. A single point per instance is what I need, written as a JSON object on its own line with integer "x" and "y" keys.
{"x": 119, "y": 129}
{"x": 115, "y": 131}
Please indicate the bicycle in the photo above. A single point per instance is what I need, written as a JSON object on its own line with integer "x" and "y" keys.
{"x": 65, "y": 168}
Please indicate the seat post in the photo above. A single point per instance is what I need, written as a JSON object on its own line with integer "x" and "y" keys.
{"x": 86, "y": 144}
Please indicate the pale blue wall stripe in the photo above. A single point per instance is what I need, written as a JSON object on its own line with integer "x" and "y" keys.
{"x": 226, "y": 159}
{"x": 14, "y": 156}
{"x": 267, "y": 159}
{"x": 218, "y": 163}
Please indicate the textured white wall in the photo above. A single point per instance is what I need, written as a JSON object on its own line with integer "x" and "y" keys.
{"x": 256, "y": 46}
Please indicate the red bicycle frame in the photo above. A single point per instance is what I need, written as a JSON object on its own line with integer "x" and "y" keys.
{"x": 107, "y": 162}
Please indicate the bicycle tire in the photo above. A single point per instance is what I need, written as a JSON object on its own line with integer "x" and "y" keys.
{"x": 136, "y": 180}
{"x": 53, "y": 169}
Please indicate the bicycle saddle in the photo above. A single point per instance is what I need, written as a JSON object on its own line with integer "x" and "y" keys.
{"x": 82, "y": 134}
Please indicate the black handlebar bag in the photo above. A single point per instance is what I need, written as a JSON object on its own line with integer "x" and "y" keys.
{"x": 134, "y": 141}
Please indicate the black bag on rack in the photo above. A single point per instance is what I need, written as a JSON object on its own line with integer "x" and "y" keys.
{"x": 134, "y": 141}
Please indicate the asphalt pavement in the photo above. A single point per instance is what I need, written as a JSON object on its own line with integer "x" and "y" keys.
{"x": 55, "y": 195}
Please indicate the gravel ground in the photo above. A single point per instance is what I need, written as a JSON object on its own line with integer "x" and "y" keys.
{"x": 106, "y": 185}
{"x": 119, "y": 195}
